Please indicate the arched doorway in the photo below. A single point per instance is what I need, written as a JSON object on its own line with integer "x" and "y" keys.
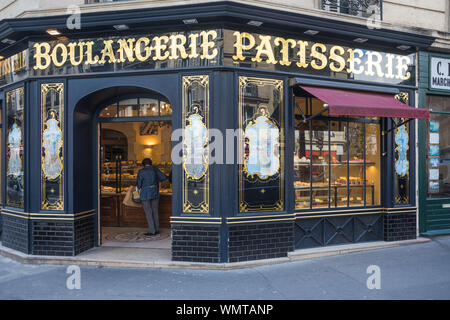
{"x": 133, "y": 127}
{"x": 115, "y": 128}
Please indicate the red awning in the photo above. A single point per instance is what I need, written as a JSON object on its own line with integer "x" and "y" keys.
{"x": 364, "y": 104}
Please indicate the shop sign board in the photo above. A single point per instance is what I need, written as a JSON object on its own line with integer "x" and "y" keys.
{"x": 440, "y": 73}
{"x": 215, "y": 47}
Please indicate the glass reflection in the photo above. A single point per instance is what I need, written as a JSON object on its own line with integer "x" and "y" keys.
{"x": 148, "y": 107}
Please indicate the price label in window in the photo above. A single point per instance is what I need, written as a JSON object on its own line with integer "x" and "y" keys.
{"x": 434, "y": 174}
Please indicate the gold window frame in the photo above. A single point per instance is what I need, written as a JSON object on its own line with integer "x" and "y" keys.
{"x": 53, "y": 113}
{"x": 245, "y": 207}
{"x": 189, "y": 206}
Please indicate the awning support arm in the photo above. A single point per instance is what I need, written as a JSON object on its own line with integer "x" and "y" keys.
{"x": 396, "y": 125}
{"x": 301, "y": 111}
{"x": 318, "y": 113}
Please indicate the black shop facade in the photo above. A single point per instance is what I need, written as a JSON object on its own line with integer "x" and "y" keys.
{"x": 281, "y": 131}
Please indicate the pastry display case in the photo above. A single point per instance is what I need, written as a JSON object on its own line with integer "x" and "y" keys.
{"x": 116, "y": 179}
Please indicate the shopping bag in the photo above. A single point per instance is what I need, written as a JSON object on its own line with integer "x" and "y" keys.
{"x": 128, "y": 201}
{"x": 136, "y": 195}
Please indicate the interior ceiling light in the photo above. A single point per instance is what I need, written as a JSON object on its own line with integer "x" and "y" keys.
{"x": 254, "y": 23}
{"x": 190, "y": 21}
{"x": 53, "y": 32}
{"x": 360, "y": 40}
{"x": 8, "y": 41}
{"x": 311, "y": 32}
{"x": 121, "y": 27}
{"x": 403, "y": 47}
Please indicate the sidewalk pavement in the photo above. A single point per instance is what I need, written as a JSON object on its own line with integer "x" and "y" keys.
{"x": 161, "y": 258}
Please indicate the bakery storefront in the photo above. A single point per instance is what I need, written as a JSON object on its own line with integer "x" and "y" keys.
{"x": 281, "y": 131}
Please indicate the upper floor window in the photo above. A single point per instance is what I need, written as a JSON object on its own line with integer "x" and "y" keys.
{"x": 361, "y": 8}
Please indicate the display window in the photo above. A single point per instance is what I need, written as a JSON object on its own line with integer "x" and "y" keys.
{"x": 336, "y": 159}
{"x": 438, "y": 147}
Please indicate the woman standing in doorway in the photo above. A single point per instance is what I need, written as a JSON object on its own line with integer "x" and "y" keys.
{"x": 148, "y": 179}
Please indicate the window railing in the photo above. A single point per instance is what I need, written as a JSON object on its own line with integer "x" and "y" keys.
{"x": 361, "y": 8}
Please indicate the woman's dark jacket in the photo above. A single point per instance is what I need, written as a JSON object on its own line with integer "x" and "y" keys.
{"x": 147, "y": 181}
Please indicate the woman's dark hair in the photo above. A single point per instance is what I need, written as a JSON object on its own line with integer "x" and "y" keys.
{"x": 147, "y": 162}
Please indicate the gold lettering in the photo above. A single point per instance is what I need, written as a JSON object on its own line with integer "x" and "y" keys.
{"x": 265, "y": 48}
{"x": 318, "y": 55}
{"x": 41, "y": 52}
{"x": 337, "y": 57}
{"x": 139, "y": 48}
{"x": 107, "y": 52}
{"x": 390, "y": 66}
{"x": 302, "y": 54}
{"x": 207, "y": 44}
{"x": 284, "y": 49}
{"x": 89, "y": 60}
{"x": 127, "y": 47}
{"x": 159, "y": 47}
{"x": 370, "y": 63}
{"x": 355, "y": 61}
{"x": 177, "y": 43}
{"x": 63, "y": 54}
{"x": 402, "y": 67}
{"x": 73, "y": 55}
{"x": 193, "y": 45}
{"x": 240, "y": 46}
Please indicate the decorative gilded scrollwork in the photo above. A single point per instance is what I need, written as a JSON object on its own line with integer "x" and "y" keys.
{"x": 52, "y": 146}
{"x": 261, "y": 173}
{"x": 195, "y": 119}
{"x": 401, "y": 157}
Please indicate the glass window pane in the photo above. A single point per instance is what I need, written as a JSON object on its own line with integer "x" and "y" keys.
{"x": 438, "y": 163}
{"x": 338, "y": 153}
{"x": 52, "y": 145}
{"x": 438, "y": 103}
{"x": 148, "y": 107}
{"x": 302, "y": 165}
{"x": 109, "y": 112}
{"x": 165, "y": 108}
{"x": 356, "y": 163}
{"x": 261, "y": 174}
{"x": 14, "y": 151}
{"x": 373, "y": 164}
{"x": 320, "y": 161}
{"x": 128, "y": 108}
{"x": 401, "y": 163}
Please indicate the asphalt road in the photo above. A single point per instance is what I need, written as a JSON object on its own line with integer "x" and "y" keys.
{"x": 420, "y": 271}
